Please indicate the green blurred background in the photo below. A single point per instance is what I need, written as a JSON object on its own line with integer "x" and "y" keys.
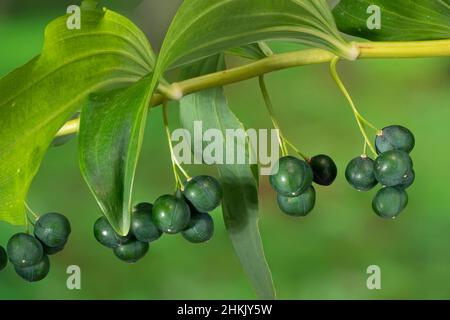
{"x": 324, "y": 256}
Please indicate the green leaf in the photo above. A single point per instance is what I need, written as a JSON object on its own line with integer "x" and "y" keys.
{"x": 111, "y": 131}
{"x": 401, "y": 20}
{"x": 240, "y": 202}
{"x": 36, "y": 99}
{"x": 252, "y": 51}
{"x": 202, "y": 28}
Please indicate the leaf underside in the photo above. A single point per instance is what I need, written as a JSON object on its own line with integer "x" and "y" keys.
{"x": 37, "y": 98}
{"x": 202, "y": 28}
{"x": 111, "y": 132}
{"x": 401, "y": 20}
{"x": 240, "y": 202}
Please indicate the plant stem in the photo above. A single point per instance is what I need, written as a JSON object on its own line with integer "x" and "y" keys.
{"x": 269, "y": 107}
{"x": 368, "y": 50}
{"x": 359, "y": 119}
{"x": 34, "y": 214}
{"x": 175, "y": 163}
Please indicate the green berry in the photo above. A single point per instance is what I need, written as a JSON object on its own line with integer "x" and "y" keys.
{"x": 298, "y": 206}
{"x": 142, "y": 225}
{"x": 24, "y": 250}
{"x": 35, "y": 272}
{"x": 395, "y": 138}
{"x": 293, "y": 177}
{"x": 143, "y": 207}
{"x": 392, "y": 168}
{"x": 3, "y": 258}
{"x": 360, "y": 173}
{"x": 204, "y": 193}
{"x": 389, "y": 202}
{"x": 52, "y": 250}
{"x": 105, "y": 234}
{"x": 324, "y": 169}
{"x": 52, "y": 229}
{"x": 409, "y": 180}
{"x": 171, "y": 214}
{"x": 131, "y": 251}
{"x": 200, "y": 228}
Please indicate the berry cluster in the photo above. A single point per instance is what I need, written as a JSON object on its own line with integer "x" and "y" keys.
{"x": 186, "y": 212}
{"x": 29, "y": 254}
{"x": 393, "y": 169}
{"x": 293, "y": 182}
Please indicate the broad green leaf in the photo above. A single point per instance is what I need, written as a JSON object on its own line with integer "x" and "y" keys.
{"x": 205, "y": 27}
{"x": 252, "y": 51}
{"x": 240, "y": 202}
{"x": 36, "y": 99}
{"x": 401, "y": 20}
{"x": 111, "y": 131}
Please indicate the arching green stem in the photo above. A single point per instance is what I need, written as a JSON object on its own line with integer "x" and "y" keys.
{"x": 359, "y": 119}
{"x": 34, "y": 214}
{"x": 281, "y": 138}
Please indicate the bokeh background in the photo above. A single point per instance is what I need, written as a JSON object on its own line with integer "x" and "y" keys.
{"x": 323, "y": 256}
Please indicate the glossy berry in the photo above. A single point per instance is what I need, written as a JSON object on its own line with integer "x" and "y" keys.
{"x": 200, "y": 228}
{"x": 143, "y": 207}
{"x": 389, "y": 202}
{"x": 360, "y": 173}
{"x": 409, "y": 180}
{"x": 293, "y": 177}
{"x": 24, "y": 250}
{"x": 395, "y": 138}
{"x": 35, "y": 272}
{"x": 298, "y": 206}
{"x": 142, "y": 225}
{"x": 105, "y": 234}
{"x": 171, "y": 214}
{"x": 204, "y": 193}
{"x": 131, "y": 251}
{"x": 3, "y": 258}
{"x": 52, "y": 229}
{"x": 392, "y": 168}
{"x": 52, "y": 250}
{"x": 324, "y": 169}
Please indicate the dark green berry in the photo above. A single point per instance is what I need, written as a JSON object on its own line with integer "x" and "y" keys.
{"x": 204, "y": 193}
{"x": 52, "y": 229}
{"x": 142, "y": 225}
{"x": 324, "y": 169}
{"x": 293, "y": 177}
{"x": 171, "y": 214}
{"x": 395, "y": 138}
{"x": 105, "y": 234}
{"x": 143, "y": 207}
{"x": 298, "y": 206}
{"x": 389, "y": 202}
{"x": 35, "y": 272}
{"x": 24, "y": 250}
{"x": 131, "y": 251}
{"x": 52, "y": 250}
{"x": 200, "y": 228}
{"x": 392, "y": 168}
{"x": 3, "y": 258}
{"x": 409, "y": 180}
{"x": 360, "y": 173}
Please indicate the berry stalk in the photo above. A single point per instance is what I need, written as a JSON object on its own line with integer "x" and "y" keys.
{"x": 359, "y": 119}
